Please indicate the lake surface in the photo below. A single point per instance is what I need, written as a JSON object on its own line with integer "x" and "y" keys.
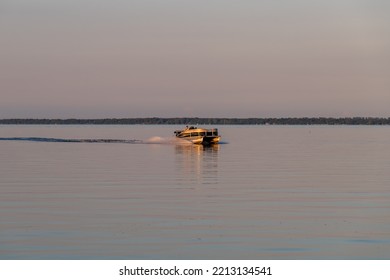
{"x": 266, "y": 192}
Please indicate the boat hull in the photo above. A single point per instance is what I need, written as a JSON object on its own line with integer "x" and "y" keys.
{"x": 204, "y": 140}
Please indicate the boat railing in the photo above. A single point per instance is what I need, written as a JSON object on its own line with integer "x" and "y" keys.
{"x": 202, "y": 132}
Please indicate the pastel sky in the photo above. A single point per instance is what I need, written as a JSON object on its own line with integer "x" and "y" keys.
{"x": 196, "y": 58}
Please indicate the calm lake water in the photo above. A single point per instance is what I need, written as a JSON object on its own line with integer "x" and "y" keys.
{"x": 266, "y": 192}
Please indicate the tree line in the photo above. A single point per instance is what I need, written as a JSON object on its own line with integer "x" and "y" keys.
{"x": 205, "y": 121}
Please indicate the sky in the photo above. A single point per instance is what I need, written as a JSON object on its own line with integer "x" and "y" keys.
{"x": 194, "y": 58}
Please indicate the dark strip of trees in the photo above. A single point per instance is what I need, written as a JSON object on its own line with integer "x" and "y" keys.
{"x": 206, "y": 121}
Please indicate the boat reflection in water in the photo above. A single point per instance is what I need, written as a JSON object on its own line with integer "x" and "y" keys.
{"x": 198, "y": 164}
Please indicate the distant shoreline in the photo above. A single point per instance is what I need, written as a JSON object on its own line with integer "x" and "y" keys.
{"x": 202, "y": 121}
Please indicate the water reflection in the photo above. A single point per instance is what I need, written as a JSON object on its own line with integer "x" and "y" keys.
{"x": 197, "y": 164}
